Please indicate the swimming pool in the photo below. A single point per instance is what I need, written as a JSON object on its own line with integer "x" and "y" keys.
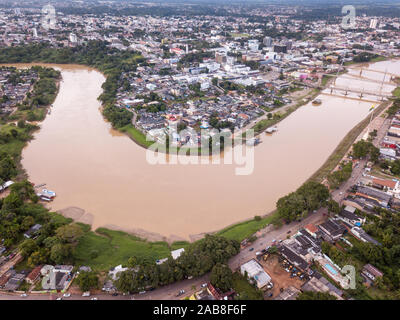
{"x": 330, "y": 268}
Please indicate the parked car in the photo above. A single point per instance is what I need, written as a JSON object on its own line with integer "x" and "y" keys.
{"x": 94, "y": 298}
{"x": 204, "y": 285}
{"x": 115, "y": 294}
{"x": 24, "y": 295}
{"x": 251, "y": 249}
{"x": 181, "y": 292}
{"x": 86, "y": 294}
{"x": 142, "y": 292}
{"x": 66, "y": 295}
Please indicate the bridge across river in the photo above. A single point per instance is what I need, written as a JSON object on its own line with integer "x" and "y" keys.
{"x": 360, "y": 92}
{"x": 392, "y": 75}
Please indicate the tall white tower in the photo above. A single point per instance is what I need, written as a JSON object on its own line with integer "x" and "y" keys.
{"x": 373, "y": 23}
{"x": 73, "y": 38}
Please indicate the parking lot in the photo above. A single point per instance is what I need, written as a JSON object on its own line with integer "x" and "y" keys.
{"x": 280, "y": 278}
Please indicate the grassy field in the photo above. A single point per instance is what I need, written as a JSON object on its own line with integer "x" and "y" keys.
{"x": 240, "y": 35}
{"x": 14, "y": 146}
{"x": 136, "y": 136}
{"x": 245, "y": 229}
{"x": 396, "y": 92}
{"x": 105, "y": 248}
{"x": 245, "y": 289}
{"x": 344, "y": 146}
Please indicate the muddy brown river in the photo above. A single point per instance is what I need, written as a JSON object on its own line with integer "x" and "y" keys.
{"x": 90, "y": 166}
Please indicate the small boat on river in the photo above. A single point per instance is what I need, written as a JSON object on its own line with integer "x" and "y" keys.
{"x": 253, "y": 142}
{"x": 317, "y": 102}
{"x": 272, "y": 129}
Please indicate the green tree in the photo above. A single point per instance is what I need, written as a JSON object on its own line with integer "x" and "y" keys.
{"x": 363, "y": 148}
{"x": 69, "y": 233}
{"x": 87, "y": 281}
{"x": 296, "y": 205}
{"x": 221, "y": 277}
{"x": 27, "y": 247}
{"x": 60, "y": 253}
{"x": 126, "y": 282}
{"x": 311, "y": 295}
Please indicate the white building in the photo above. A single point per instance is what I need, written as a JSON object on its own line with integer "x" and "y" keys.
{"x": 113, "y": 273}
{"x": 256, "y": 272}
{"x": 73, "y": 38}
{"x": 253, "y": 45}
{"x": 373, "y": 23}
{"x": 177, "y": 253}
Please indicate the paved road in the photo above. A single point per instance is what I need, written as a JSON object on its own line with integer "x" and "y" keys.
{"x": 275, "y": 234}
{"x": 339, "y": 194}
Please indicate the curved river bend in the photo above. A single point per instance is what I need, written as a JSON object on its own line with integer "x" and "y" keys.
{"x": 90, "y": 166}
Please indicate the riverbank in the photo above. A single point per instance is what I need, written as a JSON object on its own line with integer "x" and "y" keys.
{"x": 345, "y": 145}
{"x": 20, "y": 124}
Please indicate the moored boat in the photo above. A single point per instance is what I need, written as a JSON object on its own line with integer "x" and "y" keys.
{"x": 271, "y": 130}
{"x": 317, "y": 102}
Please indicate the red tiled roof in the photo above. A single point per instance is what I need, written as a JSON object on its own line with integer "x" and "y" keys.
{"x": 386, "y": 183}
{"x": 34, "y": 273}
{"x": 311, "y": 227}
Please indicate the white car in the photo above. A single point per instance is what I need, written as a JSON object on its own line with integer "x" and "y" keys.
{"x": 66, "y": 295}
{"x": 24, "y": 295}
{"x": 94, "y": 298}
{"x": 59, "y": 298}
{"x": 204, "y": 285}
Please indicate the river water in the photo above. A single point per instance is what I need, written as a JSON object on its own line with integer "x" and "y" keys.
{"x": 90, "y": 166}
